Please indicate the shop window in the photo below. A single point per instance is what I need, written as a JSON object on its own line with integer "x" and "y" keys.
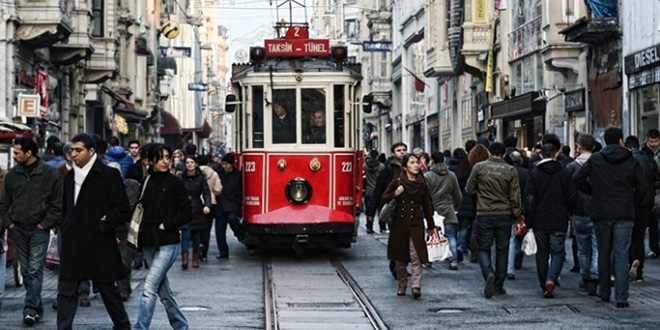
{"x": 647, "y": 104}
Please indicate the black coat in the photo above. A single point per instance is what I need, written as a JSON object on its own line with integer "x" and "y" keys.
{"x": 231, "y": 198}
{"x": 89, "y": 247}
{"x": 198, "y": 189}
{"x": 614, "y": 180}
{"x": 166, "y": 202}
{"x": 392, "y": 170}
{"x": 550, "y": 197}
{"x": 651, "y": 177}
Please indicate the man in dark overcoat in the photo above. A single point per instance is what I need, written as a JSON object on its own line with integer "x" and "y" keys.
{"x": 95, "y": 203}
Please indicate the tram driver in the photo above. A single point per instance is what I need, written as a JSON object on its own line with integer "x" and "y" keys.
{"x": 284, "y": 126}
{"x": 316, "y": 132}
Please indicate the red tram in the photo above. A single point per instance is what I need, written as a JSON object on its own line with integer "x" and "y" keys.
{"x": 297, "y": 106}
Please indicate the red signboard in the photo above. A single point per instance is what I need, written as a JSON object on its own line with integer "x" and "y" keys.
{"x": 297, "y": 47}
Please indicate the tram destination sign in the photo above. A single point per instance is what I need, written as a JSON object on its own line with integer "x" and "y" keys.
{"x": 297, "y": 47}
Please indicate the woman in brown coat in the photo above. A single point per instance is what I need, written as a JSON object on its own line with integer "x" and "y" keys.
{"x": 406, "y": 242}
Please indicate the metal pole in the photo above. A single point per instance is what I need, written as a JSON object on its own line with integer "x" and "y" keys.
{"x": 198, "y": 76}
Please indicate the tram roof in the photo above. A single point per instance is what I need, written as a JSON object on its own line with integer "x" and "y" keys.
{"x": 303, "y": 64}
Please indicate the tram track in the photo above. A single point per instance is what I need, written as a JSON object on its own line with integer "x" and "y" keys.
{"x": 324, "y": 296}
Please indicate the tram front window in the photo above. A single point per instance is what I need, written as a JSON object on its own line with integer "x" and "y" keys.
{"x": 284, "y": 123}
{"x": 316, "y": 131}
{"x": 313, "y": 116}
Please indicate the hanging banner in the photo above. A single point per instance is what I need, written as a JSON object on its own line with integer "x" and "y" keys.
{"x": 489, "y": 65}
{"x": 480, "y": 13}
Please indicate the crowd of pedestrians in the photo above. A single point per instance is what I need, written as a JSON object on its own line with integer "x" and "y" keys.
{"x": 492, "y": 194}
{"x": 83, "y": 192}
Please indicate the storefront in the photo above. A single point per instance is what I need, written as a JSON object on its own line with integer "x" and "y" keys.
{"x": 643, "y": 71}
{"x": 522, "y": 116}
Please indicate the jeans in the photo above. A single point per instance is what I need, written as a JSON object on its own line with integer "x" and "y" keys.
{"x": 498, "y": 229}
{"x": 31, "y": 249}
{"x": 515, "y": 247}
{"x": 585, "y": 235}
{"x": 464, "y": 225}
{"x": 643, "y": 215}
{"x": 613, "y": 237}
{"x": 186, "y": 236}
{"x": 231, "y": 219}
{"x": 156, "y": 286}
{"x": 549, "y": 247}
{"x": 451, "y": 232}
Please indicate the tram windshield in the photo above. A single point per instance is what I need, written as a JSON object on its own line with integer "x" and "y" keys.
{"x": 311, "y": 117}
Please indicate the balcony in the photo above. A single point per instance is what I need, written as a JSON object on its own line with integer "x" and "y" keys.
{"x": 443, "y": 51}
{"x": 103, "y": 62}
{"x": 43, "y": 23}
{"x": 475, "y": 44}
{"x": 592, "y": 31}
{"x": 79, "y": 44}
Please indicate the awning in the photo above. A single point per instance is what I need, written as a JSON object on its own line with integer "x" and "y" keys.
{"x": 166, "y": 63}
{"x": 119, "y": 98}
{"x": 518, "y": 106}
{"x": 203, "y": 131}
{"x": 170, "y": 124}
{"x": 131, "y": 115}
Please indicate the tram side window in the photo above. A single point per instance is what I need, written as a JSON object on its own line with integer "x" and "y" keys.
{"x": 313, "y": 109}
{"x": 339, "y": 115}
{"x": 284, "y": 120}
{"x": 258, "y": 117}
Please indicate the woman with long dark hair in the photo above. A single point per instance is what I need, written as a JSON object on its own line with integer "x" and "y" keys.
{"x": 200, "y": 201}
{"x": 406, "y": 242}
{"x": 166, "y": 209}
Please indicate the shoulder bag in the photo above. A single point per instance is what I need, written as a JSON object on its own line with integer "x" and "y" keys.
{"x": 387, "y": 212}
{"x": 136, "y": 219}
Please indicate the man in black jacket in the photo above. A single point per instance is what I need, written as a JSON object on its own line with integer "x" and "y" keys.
{"x": 614, "y": 180}
{"x": 393, "y": 170}
{"x": 89, "y": 244}
{"x": 651, "y": 149}
{"x": 30, "y": 206}
{"x": 643, "y": 208}
{"x": 549, "y": 198}
{"x": 231, "y": 203}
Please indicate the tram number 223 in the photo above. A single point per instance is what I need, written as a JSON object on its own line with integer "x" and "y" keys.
{"x": 347, "y": 167}
{"x": 250, "y": 166}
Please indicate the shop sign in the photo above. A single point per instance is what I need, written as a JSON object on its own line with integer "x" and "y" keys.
{"x": 642, "y": 60}
{"x": 574, "y": 100}
{"x": 42, "y": 89}
{"x": 28, "y": 105}
{"x": 644, "y": 78}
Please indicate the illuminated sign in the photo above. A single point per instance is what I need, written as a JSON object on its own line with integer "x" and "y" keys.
{"x": 297, "y": 47}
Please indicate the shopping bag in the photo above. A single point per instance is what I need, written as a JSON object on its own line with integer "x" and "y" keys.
{"x": 437, "y": 247}
{"x": 387, "y": 212}
{"x": 529, "y": 243}
{"x": 136, "y": 219}
{"x": 52, "y": 255}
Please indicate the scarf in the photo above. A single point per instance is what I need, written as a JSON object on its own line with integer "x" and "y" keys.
{"x": 79, "y": 176}
{"x": 412, "y": 187}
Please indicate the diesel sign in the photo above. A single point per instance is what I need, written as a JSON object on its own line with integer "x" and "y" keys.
{"x": 642, "y": 60}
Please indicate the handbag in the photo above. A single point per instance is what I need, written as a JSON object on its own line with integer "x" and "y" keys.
{"x": 437, "y": 247}
{"x": 387, "y": 212}
{"x": 529, "y": 243}
{"x": 136, "y": 219}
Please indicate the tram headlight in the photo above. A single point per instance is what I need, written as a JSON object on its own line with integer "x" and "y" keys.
{"x": 299, "y": 191}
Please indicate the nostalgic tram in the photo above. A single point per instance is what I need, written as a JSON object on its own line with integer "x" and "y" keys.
{"x": 297, "y": 105}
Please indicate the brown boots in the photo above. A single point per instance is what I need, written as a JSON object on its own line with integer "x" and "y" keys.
{"x": 195, "y": 261}
{"x": 184, "y": 260}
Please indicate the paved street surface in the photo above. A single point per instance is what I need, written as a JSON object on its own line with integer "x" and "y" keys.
{"x": 228, "y": 294}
